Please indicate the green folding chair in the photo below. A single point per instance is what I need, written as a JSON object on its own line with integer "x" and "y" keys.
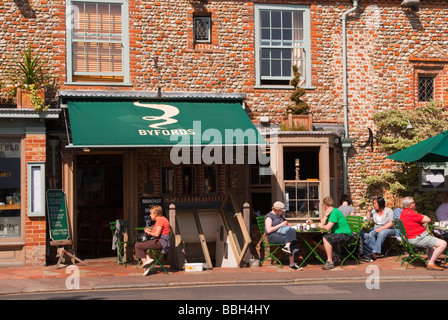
{"x": 120, "y": 245}
{"x": 355, "y": 223}
{"x": 269, "y": 248}
{"x": 414, "y": 253}
{"x": 157, "y": 255}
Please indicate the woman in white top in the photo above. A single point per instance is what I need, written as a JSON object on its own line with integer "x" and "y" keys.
{"x": 383, "y": 218}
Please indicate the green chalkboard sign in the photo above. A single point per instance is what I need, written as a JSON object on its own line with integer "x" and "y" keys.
{"x": 57, "y": 215}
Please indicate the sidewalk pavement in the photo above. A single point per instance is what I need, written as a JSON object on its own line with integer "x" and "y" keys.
{"x": 103, "y": 274}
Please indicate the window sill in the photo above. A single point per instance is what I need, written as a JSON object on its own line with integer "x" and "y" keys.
{"x": 103, "y": 84}
{"x": 270, "y": 87}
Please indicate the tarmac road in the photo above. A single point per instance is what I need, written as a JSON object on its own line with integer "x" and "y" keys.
{"x": 264, "y": 293}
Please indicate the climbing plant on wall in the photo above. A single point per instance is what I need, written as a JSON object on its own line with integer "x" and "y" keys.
{"x": 393, "y": 135}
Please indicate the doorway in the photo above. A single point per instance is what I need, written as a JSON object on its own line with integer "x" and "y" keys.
{"x": 99, "y": 180}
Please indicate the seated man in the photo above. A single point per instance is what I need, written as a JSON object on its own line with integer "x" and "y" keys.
{"x": 340, "y": 231}
{"x": 417, "y": 234}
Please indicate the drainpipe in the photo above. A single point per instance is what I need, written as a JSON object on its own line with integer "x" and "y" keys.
{"x": 346, "y": 141}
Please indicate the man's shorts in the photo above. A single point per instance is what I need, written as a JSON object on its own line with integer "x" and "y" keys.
{"x": 337, "y": 238}
{"x": 424, "y": 241}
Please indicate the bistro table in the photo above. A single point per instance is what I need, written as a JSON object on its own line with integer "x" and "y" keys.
{"x": 305, "y": 236}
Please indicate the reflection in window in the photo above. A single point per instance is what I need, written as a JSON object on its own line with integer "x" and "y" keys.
{"x": 256, "y": 175}
{"x": 167, "y": 180}
{"x": 9, "y": 187}
{"x": 188, "y": 179}
{"x": 210, "y": 180}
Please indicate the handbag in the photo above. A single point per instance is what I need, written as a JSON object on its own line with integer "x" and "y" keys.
{"x": 141, "y": 237}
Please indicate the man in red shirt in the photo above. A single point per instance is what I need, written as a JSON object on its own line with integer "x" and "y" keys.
{"x": 417, "y": 234}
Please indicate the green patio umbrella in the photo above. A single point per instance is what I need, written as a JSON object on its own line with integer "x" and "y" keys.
{"x": 434, "y": 149}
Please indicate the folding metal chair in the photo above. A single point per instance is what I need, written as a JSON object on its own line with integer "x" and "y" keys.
{"x": 269, "y": 248}
{"x": 355, "y": 223}
{"x": 157, "y": 255}
{"x": 119, "y": 243}
{"x": 414, "y": 253}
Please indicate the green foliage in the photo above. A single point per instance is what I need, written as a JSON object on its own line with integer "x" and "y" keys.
{"x": 31, "y": 69}
{"x": 300, "y": 107}
{"x": 394, "y": 136}
{"x": 36, "y": 99}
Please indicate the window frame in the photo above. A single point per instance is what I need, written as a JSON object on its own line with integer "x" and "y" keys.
{"x": 433, "y": 79}
{"x": 306, "y": 44}
{"x": 36, "y": 189}
{"x": 168, "y": 187}
{"x": 124, "y": 43}
{"x": 20, "y": 238}
{"x": 209, "y": 31}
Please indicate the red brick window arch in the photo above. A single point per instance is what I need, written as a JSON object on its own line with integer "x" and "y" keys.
{"x": 429, "y": 64}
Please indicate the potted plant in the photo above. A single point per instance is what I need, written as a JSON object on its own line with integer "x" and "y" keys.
{"x": 298, "y": 116}
{"x": 31, "y": 82}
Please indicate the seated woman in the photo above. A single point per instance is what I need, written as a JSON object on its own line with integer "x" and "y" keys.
{"x": 383, "y": 218}
{"x": 160, "y": 238}
{"x": 274, "y": 221}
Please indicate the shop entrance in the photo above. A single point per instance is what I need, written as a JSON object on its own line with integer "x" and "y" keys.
{"x": 99, "y": 180}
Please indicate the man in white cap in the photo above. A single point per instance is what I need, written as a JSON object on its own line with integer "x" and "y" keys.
{"x": 278, "y": 230}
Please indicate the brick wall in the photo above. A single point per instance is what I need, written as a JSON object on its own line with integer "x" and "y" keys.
{"x": 35, "y": 227}
{"x": 381, "y": 36}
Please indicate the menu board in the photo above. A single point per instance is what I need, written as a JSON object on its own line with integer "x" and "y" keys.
{"x": 57, "y": 215}
{"x": 148, "y": 203}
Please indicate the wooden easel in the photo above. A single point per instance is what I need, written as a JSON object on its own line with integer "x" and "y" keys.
{"x": 61, "y": 252}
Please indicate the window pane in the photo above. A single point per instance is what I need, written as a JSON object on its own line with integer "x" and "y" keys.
{"x": 265, "y": 19}
{"x": 266, "y": 35}
{"x": 276, "y": 34}
{"x": 97, "y": 38}
{"x": 425, "y": 88}
{"x": 287, "y": 35}
{"x": 210, "y": 182}
{"x": 265, "y": 68}
{"x": 276, "y": 19}
{"x": 276, "y": 68}
{"x": 276, "y": 54}
{"x": 286, "y": 68}
{"x": 9, "y": 187}
{"x": 287, "y": 19}
{"x": 202, "y": 29}
{"x": 167, "y": 180}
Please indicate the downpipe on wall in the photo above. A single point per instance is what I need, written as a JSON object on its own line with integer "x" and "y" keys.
{"x": 346, "y": 141}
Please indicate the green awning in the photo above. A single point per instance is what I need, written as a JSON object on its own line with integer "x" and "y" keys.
{"x": 434, "y": 149}
{"x": 162, "y": 123}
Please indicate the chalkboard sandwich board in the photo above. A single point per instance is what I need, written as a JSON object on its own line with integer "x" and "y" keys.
{"x": 57, "y": 217}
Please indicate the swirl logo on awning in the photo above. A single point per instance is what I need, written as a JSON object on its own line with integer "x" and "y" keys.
{"x": 166, "y": 118}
